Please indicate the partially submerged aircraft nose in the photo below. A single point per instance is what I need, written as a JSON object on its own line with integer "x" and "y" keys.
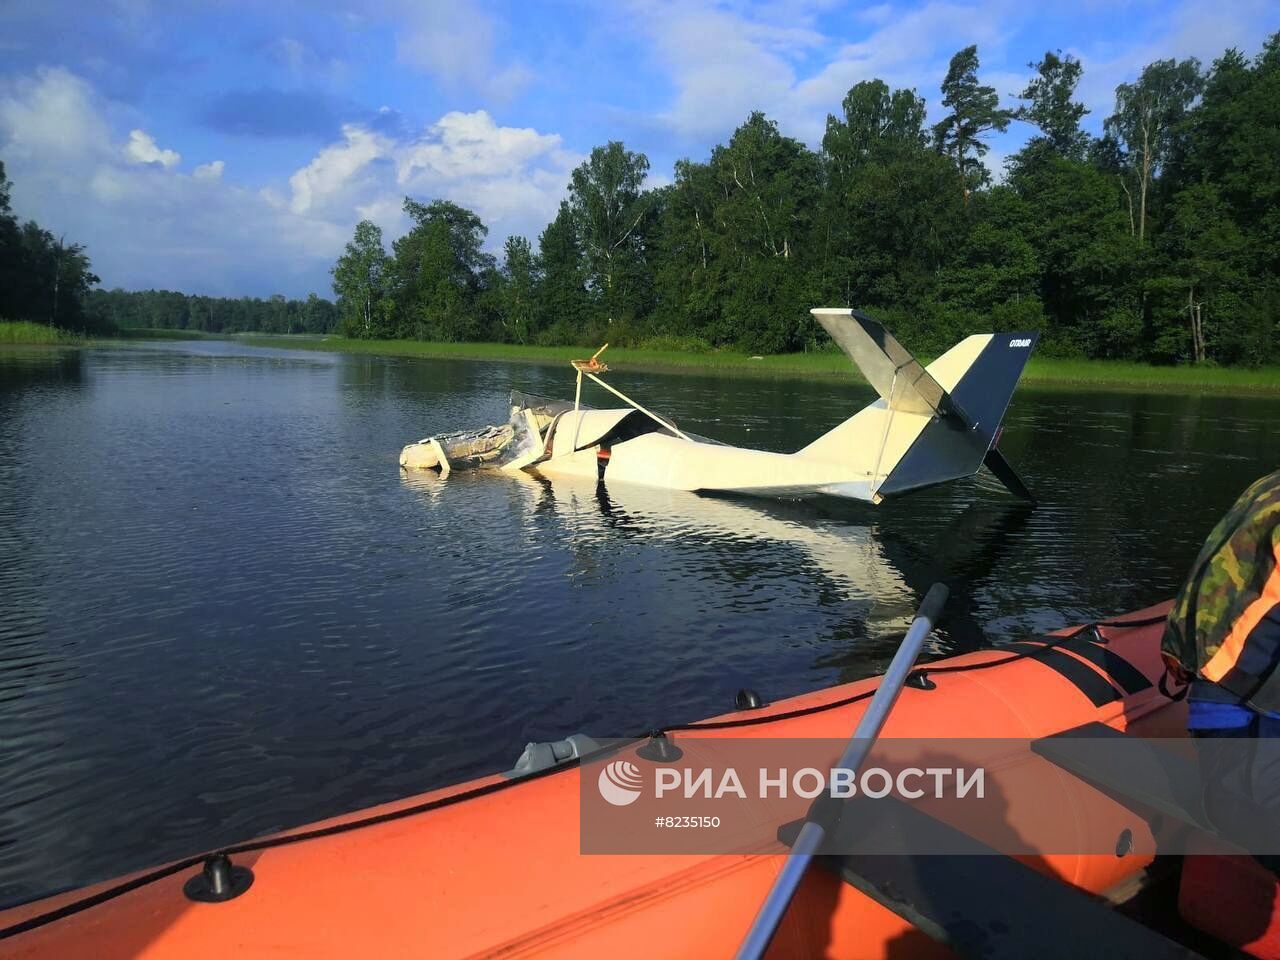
{"x": 419, "y": 456}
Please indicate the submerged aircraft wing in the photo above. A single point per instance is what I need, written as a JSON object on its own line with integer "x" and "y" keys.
{"x": 895, "y": 374}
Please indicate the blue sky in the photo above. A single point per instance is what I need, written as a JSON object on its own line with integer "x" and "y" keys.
{"x": 230, "y": 148}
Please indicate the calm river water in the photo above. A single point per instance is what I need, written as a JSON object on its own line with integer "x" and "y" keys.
{"x": 224, "y": 611}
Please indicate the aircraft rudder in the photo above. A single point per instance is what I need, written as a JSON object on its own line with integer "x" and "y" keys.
{"x": 955, "y": 445}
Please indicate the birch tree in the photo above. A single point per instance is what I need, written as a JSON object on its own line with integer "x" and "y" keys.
{"x": 1148, "y": 115}
{"x": 359, "y": 279}
{"x": 609, "y": 208}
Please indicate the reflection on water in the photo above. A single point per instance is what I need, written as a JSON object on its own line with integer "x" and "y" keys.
{"x": 223, "y": 610}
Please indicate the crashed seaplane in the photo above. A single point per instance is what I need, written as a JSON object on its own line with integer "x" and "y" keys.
{"x": 930, "y": 425}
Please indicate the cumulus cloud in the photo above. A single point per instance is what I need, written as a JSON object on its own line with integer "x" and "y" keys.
{"x": 142, "y": 148}
{"x": 201, "y": 233}
{"x": 334, "y": 167}
{"x": 209, "y": 171}
{"x": 513, "y": 177}
{"x": 144, "y": 222}
{"x": 51, "y": 113}
{"x": 472, "y": 145}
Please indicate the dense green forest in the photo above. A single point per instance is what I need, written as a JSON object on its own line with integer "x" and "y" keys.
{"x": 42, "y": 278}
{"x": 1158, "y": 241}
{"x": 166, "y": 310}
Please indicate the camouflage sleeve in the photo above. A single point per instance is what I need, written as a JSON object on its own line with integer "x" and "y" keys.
{"x": 1237, "y": 558}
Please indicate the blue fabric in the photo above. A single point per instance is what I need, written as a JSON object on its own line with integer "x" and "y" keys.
{"x": 1260, "y": 726}
{"x": 1209, "y": 707}
{"x": 1207, "y": 715}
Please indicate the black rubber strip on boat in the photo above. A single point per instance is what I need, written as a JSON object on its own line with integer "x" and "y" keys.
{"x": 1083, "y": 677}
{"x": 1120, "y": 670}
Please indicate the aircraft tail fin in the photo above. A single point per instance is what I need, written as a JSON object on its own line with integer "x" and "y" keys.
{"x": 979, "y": 387}
{"x": 948, "y": 414}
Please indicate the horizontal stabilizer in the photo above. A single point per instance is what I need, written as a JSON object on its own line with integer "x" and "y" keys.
{"x": 895, "y": 374}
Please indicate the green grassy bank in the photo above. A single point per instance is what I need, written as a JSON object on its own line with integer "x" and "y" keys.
{"x": 821, "y": 364}
{"x": 39, "y": 334}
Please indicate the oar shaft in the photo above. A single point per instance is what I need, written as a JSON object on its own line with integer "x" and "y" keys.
{"x": 771, "y": 912}
{"x": 894, "y": 679}
{"x": 811, "y": 834}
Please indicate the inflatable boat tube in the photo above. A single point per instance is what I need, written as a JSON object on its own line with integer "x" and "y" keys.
{"x": 493, "y": 867}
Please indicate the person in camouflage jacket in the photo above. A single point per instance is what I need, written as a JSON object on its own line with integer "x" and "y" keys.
{"x": 1223, "y": 633}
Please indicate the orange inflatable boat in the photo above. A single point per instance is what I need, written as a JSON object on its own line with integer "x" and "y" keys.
{"x": 493, "y": 867}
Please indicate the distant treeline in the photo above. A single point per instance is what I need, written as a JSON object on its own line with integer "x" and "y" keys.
{"x": 1157, "y": 241}
{"x": 42, "y": 277}
{"x": 166, "y": 310}
{"x": 47, "y": 280}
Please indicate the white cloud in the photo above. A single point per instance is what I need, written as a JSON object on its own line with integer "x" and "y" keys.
{"x": 142, "y": 148}
{"x": 51, "y": 113}
{"x": 386, "y": 211}
{"x": 335, "y": 166}
{"x": 472, "y": 145}
{"x": 144, "y": 223}
{"x": 454, "y": 41}
{"x": 513, "y": 177}
{"x": 209, "y": 171}
{"x": 725, "y": 63}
